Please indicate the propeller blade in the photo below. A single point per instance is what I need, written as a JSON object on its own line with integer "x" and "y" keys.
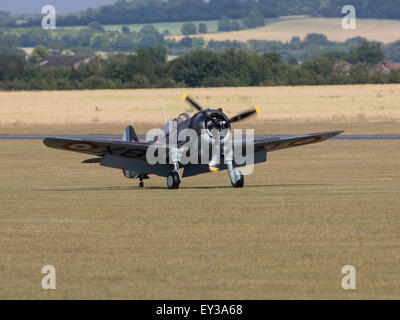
{"x": 187, "y": 98}
{"x": 245, "y": 115}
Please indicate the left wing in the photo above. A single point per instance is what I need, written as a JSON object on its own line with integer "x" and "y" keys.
{"x": 125, "y": 155}
{"x": 99, "y": 147}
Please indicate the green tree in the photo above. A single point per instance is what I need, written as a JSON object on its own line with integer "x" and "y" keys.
{"x": 203, "y": 28}
{"x": 367, "y": 53}
{"x": 6, "y": 20}
{"x": 188, "y": 28}
{"x": 8, "y": 45}
{"x": 359, "y": 73}
{"x": 38, "y": 54}
{"x": 140, "y": 81}
{"x": 96, "y": 26}
{"x": 254, "y": 20}
{"x": 235, "y": 25}
{"x": 224, "y": 24}
{"x": 149, "y": 37}
{"x": 99, "y": 42}
{"x": 316, "y": 38}
{"x": 95, "y": 82}
{"x": 125, "y": 42}
{"x": 293, "y": 61}
{"x": 228, "y": 25}
{"x": 166, "y": 33}
{"x": 125, "y": 30}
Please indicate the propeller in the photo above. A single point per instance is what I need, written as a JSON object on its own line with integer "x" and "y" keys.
{"x": 246, "y": 114}
{"x": 187, "y": 98}
{"x": 243, "y": 115}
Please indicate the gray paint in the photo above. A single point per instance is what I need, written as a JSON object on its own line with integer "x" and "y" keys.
{"x": 132, "y": 164}
{"x": 141, "y": 137}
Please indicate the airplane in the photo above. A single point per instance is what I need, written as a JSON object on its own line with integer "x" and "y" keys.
{"x": 129, "y": 153}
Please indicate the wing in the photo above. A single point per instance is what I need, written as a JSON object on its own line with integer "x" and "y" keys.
{"x": 275, "y": 143}
{"x": 113, "y": 153}
{"x": 98, "y": 147}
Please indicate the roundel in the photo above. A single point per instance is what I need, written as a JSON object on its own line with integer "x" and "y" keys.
{"x": 304, "y": 141}
{"x": 81, "y": 146}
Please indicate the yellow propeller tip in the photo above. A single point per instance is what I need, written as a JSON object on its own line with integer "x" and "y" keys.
{"x": 184, "y": 96}
{"x": 257, "y": 109}
{"x": 214, "y": 169}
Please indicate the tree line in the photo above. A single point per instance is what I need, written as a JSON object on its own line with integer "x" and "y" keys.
{"x": 150, "y": 11}
{"x": 95, "y": 38}
{"x": 149, "y": 68}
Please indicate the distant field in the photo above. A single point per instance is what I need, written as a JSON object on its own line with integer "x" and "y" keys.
{"x": 359, "y": 108}
{"x": 173, "y": 27}
{"x": 380, "y": 30}
{"x": 287, "y": 234}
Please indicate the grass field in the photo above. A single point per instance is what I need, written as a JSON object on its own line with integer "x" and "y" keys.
{"x": 299, "y": 220}
{"x": 364, "y": 109}
{"x": 379, "y": 30}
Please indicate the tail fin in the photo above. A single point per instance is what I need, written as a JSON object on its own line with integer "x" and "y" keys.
{"x": 130, "y": 135}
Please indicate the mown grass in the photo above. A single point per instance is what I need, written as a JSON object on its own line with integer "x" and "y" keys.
{"x": 287, "y": 234}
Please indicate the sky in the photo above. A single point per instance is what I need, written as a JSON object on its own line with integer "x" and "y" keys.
{"x": 62, "y": 6}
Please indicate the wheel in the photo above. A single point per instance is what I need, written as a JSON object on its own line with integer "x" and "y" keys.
{"x": 239, "y": 183}
{"x": 173, "y": 180}
{"x": 141, "y": 184}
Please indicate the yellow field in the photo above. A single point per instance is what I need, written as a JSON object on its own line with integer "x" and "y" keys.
{"x": 287, "y": 234}
{"x": 357, "y": 109}
{"x": 379, "y": 30}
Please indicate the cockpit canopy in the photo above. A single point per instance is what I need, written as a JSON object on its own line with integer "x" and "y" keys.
{"x": 183, "y": 117}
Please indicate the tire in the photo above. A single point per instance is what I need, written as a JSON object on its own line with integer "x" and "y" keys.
{"x": 173, "y": 180}
{"x": 240, "y": 183}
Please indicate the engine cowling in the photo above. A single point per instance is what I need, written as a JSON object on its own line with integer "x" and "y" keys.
{"x": 210, "y": 123}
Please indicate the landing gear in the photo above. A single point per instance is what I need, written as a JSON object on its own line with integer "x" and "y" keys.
{"x": 141, "y": 177}
{"x": 239, "y": 183}
{"x": 173, "y": 180}
{"x": 236, "y": 176}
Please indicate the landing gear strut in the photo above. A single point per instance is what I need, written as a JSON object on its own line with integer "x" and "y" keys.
{"x": 141, "y": 184}
{"x": 236, "y": 176}
{"x": 173, "y": 180}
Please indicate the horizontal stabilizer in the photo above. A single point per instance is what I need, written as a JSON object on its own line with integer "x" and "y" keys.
{"x": 93, "y": 160}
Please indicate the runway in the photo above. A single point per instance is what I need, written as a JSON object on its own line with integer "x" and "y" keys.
{"x": 118, "y": 137}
